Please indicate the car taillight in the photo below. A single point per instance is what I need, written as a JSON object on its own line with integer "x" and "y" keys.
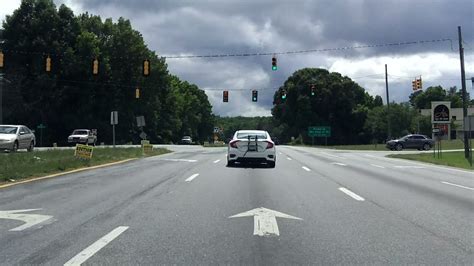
{"x": 233, "y": 144}
{"x": 269, "y": 145}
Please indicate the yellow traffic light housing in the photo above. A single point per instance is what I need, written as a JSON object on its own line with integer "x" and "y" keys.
{"x": 95, "y": 67}
{"x": 48, "y": 64}
{"x": 419, "y": 84}
{"x": 413, "y": 85}
{"x": 1, "y": 59}
{"x": 146, "y": 67}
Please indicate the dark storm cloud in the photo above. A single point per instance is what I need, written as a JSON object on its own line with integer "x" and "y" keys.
{"x": 220, "y": 27}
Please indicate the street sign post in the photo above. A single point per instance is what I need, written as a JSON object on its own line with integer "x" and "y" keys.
{"x": 468, "y": 127}
{"x": 113, "y": 122}
{"x": 41, "y": 127}
{"x": 319, "y": 132}
{"x": 140, "y": 121}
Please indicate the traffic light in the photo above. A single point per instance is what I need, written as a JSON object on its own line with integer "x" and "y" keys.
{"x": 48, "y": 64}
{"x": 283, "y": 95}
{"x": 95, "y": 67}
{"x": 137, "y": 93}
{"x": 413, "y": 85}
{"x": 254, "y": 95}
{"x": 1, "y": 59}
{"x": 274, "y": 63}
{"x": 419, "y": 84}
{"x": 225, "y": 96}
{"x": 313, "y": 90}
{"x": 146, "y": 67}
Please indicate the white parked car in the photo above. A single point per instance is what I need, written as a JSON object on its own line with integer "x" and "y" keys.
{"x": 252, "y": 146}
{"x": 83, "y": 136}
{"x": 15, "y": 137}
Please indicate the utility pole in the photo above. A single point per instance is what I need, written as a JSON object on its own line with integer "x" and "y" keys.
{"x": 1, "y": 96}
{"x": 464, "y": 95}
{"x": 389, "y": 129}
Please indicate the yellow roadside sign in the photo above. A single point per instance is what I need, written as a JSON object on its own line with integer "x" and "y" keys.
{"x": 83, "y": 151}
{"x": 147, "y": 148}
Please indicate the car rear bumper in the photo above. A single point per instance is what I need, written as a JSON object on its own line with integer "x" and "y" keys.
{"x": 251, "y": 157}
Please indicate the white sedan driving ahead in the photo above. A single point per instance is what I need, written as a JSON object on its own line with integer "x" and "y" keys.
{"x": 252, "y": 146}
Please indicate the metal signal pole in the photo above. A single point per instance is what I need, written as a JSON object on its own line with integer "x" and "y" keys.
{"x": 389, "y": 129}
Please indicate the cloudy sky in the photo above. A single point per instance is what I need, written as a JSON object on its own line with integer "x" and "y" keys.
{"x": 201, "y": 27}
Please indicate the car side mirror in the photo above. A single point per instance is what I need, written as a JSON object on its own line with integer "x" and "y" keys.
{"x": 32, "y": 131}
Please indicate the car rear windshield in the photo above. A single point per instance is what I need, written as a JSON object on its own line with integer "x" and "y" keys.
{"x": 8, "y": 130}
{"x": 252, "y": 135}
{"x": 80, "y": 132}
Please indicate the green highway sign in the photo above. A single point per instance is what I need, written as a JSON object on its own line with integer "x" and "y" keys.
{"x": 319, "y": 131}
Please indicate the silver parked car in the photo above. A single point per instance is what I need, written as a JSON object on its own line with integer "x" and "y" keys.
{"x": 15, "y": 137}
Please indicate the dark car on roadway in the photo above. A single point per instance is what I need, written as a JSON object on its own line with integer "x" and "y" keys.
{"x": 413, "y": 141}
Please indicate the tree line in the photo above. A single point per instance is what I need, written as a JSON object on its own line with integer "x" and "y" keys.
{"x": 70, "y": 97}
{"x": 355, "y": 117}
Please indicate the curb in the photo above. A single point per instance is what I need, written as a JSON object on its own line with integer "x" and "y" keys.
{"x": 65, "y": 173}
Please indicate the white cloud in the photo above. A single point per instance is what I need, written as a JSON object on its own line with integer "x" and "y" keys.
{"x": 435, "y": 69}
{"x": 8, "y": 6}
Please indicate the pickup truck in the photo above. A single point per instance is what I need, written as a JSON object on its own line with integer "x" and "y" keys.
{"x": 83, "y": 136}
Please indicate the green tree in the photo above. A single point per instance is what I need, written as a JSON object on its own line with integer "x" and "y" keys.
{"x": 339, "y": 102}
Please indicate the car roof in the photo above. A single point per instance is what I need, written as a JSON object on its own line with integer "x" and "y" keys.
{"x": 80, "y": 129}
{"x": 13, "y": 126}
{"x": 251, "y": 131}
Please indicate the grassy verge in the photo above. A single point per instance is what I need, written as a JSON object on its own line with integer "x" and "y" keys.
{"x": 14, "y": 166}
{"x": 215, "y": 144}
{"x": 455, "y": 159}
{"x": 446, "y": 145}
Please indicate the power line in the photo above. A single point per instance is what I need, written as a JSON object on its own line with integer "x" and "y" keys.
{"x": 310, "y": 50}
{"x": 382, "y": 45}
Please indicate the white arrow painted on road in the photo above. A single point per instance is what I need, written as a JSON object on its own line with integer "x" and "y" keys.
{"x": 264, "y": 220}
{"x": 29, "y": 219}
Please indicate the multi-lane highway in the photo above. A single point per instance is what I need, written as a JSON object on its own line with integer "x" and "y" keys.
{"x": 316, "y": 207}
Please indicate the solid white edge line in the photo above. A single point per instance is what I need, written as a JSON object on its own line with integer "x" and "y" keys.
{"x": 306, "y": 168}
{"x": 288, "y": 158}
{"x": 189, "y": 179}
{"x": 216, "y": 161}
{"x": 96, "y": 246}
{"x": 341, "y": 164}
{"x": 351, "y": 194}
{"x": 376, "y": 165}
{"x": 456, "y": 185}
{"x": 421, "y": 164}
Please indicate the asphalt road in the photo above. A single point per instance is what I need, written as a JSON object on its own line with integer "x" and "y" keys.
{"x": 353, "y": 208}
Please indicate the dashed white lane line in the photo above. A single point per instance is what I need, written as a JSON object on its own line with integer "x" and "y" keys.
{"x": 351, "y": 194}
{"x": 189, "y": 179}
{"x": 341, "y": 164}
{"x": 216, "y": 161}
{"x": 456, "y": 185}
{"x": 94, "y": 248}
{"x": 288, "y": 158}
{"x": 376, "y": 165}
{"x": 306, "y": 168}
{"x": 332, "y": 155}
{"x": 280, "y": 153}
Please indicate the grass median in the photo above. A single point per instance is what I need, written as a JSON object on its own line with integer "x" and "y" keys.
{"x": 454, "y": 159}
{"x": 447, "y": 145}
{"x": 20, "y": 165}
